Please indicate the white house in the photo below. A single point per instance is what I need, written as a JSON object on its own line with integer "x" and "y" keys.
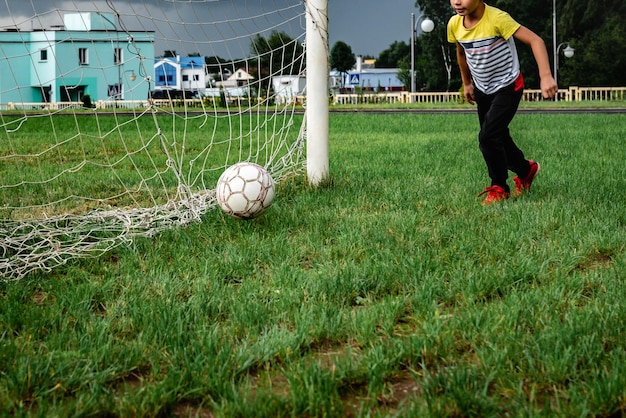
{"x": 239, "y": 78}
{"x": 236, "y": 85}
{"x": 288, "y": 87}
{"x": 180, "y": 73}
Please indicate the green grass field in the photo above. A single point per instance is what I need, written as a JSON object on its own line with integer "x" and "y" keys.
{"x": 108, "y": 160}
{"x": 389, "y": 291}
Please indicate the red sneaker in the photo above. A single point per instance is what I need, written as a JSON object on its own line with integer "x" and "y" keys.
{"x": 494, "y": 194}
{"x": 522, "y": 185}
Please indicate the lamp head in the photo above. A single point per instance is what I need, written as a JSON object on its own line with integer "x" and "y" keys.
{"x": 428, "y": 25}
{"x": 568, "y": 51}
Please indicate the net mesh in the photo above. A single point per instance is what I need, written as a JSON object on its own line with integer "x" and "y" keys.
{"x": 117, "y": 118}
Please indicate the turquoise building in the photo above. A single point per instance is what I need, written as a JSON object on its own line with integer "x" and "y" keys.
{"x": 87, "y": 55}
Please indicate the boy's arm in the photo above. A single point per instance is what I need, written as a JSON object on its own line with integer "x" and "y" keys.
{"x": 466, "y": 76}
{"x": 549, "y": 87}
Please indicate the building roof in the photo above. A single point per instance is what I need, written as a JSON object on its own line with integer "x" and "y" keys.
{"x": 191, "y": 62}
{"x": 184, "y": 62}
{"x": 241, "y": 74}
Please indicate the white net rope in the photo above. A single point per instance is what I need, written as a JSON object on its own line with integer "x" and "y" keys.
{"x": 117, "y": 117}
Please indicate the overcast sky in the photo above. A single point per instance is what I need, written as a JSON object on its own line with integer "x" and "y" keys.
{"x": 368, "y": 26}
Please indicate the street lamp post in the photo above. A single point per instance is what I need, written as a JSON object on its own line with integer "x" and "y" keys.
{"x": 132, "y": 77}
{"x": 554, "y": 47}
{"x": 568, "y": 51}
{"x": 427, "y": 26}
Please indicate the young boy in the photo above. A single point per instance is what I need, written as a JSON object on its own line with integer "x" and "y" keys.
{"x": 491, "y": 77}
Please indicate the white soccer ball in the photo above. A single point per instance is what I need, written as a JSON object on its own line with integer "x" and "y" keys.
{"x": 245, "y": 190}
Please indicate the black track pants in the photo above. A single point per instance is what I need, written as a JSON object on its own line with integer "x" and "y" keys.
{"x": 495, "y": 112}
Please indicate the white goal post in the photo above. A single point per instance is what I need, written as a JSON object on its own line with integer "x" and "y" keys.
{"x": 117, "y": 118}
{"x": 317, "y": 90}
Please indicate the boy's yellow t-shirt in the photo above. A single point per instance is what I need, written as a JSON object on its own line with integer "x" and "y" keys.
{"x": 489, "y": 48}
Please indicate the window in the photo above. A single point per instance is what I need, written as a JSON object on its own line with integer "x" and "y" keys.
{"x": 196, "y": 77}
{"x": 118, "y": 56}
{"x": 43, "y": 55}
{"x": 83, "y": 56}
{"x": 185, "y": 77}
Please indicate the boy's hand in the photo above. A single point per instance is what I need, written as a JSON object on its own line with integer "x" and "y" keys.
{"x": 468, "y": 92}
{"x": 548, "y": 84}
{"x": 549, "y": 88}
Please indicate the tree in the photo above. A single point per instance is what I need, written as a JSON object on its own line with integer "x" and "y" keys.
{"x": 597, "y": 61}
{"x": 577, "y": 18}
{"x": 391, "y": 56}
{"x": 436, "y": 60}
{"x": 279, "y": 54}
{"x": 215, "y": 67}
{"x": 404, "y": 72}
{"x": 214, "y": 64}
{"x": 596, "y": 30}
{"x": 428, "y": 75}
{"x": 342, "y": 58}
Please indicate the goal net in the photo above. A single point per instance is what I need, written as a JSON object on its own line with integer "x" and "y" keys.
{"x": 118, "y": 117}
